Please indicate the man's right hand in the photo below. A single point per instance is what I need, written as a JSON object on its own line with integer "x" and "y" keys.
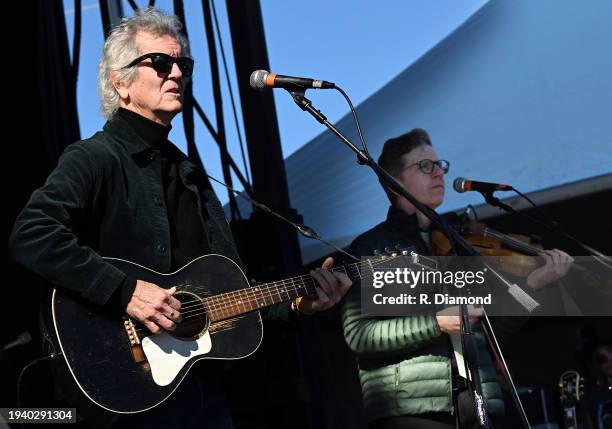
{"x": 448, "y": 320}
{"x": 154, "y": 307}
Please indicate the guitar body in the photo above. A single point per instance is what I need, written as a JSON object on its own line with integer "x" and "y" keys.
{"x": 122, "y": 368}
{"x": 95, "y": 343}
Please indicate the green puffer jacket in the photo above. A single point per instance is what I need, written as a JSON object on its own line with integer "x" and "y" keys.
{"x": 404, "y": 362}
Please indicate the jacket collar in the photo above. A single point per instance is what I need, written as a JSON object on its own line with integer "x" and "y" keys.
{"x": 119, "y": 129}
{"x": 125, "y": 134}
{"x": 403, "y": 222}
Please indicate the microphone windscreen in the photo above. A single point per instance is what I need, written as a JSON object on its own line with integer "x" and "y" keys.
{"x": 24, "y": 338}
{"x": 459, "y": 184}
{"x": 258, "y": 80}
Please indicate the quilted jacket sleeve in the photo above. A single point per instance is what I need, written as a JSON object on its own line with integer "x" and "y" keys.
{"x": 371, "y": 336}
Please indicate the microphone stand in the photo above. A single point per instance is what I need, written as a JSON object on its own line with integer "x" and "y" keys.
{"x": 467, "y": 335}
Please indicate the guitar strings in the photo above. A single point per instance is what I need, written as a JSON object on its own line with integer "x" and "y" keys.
{"x": 254, "y": 292}
{"x": 268, "y": 287}
{"x": 251, "y": 296}
{"x": 224, "y": 302}
{"x": 198, "y": 313}
{"x": 227, "y": 311}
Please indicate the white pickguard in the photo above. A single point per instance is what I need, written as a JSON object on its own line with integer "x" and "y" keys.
{"x": 167, "y": 355}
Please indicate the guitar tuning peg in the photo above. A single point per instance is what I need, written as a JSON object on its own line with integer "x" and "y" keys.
{"x": 394, "y": 254}
{"x": 388, "y": 250}
{"x": 404, "y": 252}
{"x": 376, "y": 252}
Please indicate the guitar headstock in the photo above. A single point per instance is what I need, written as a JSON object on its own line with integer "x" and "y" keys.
{"x": 571, "y": 388}
{"x": 401, "y": 257}
{"x": 388, "y": 252}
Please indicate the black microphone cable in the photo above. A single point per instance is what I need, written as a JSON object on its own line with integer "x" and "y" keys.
{"x": 356, "y": 119}
{"x": 305, "y": 230}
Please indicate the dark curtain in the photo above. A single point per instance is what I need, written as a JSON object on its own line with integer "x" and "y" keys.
{"x": 58, "y": 110}
{"x": 44, "y": 121}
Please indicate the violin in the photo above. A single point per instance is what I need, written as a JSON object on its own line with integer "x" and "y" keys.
{"x": 495, "y": 246}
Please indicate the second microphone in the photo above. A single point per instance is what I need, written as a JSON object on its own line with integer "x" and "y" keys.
{"x": 261, "y": 80}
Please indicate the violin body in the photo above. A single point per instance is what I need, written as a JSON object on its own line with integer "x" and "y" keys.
{"x": 512, "y": 253}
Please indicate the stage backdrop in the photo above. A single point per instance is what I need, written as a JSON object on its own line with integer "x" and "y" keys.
{"x": 520, "y": 94}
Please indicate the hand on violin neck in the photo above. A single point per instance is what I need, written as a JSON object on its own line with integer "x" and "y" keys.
{"x": 557, "y": 265}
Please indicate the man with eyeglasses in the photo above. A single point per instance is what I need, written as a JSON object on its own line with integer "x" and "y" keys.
{"x": 129, "y": 193}
{"x": 407, "y": 366}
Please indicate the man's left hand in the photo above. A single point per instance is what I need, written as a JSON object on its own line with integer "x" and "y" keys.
{"x": 333, "y": 287}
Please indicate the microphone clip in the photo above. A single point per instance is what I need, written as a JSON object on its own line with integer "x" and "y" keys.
{"x": 305, "y": 104}
{"x": 494, "y": 201}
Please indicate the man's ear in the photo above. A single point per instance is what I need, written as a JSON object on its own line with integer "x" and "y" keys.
{"x": 120, "y": 87}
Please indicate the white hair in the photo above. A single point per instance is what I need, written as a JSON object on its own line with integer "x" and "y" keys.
{"x": 120, "y": 49}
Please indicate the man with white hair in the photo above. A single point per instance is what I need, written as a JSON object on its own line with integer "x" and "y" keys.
{"x": 127, "y": 192}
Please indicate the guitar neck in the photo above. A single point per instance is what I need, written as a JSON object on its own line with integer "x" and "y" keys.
{"x": 569, "y": 418}
{"x": 231, "y": 304}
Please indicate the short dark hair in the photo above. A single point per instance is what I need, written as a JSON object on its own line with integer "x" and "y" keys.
{"x": 391, "y": 158}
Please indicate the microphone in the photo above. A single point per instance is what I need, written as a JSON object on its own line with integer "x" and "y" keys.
{"x": 261, "y": 80}
{"x": 461, "y": 184}
{"x": 22, "y": 339}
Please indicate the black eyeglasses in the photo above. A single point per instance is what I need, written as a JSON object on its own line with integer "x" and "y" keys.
{"x": 162, "y": 63}
{"x": 427, "y": 165}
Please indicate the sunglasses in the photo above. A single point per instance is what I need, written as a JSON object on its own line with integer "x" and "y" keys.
{"x": 162, "y": 63}
{"x": 427, "y": 165}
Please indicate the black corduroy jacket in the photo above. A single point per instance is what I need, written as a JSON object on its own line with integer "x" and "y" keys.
{"x": 105, "y": 198}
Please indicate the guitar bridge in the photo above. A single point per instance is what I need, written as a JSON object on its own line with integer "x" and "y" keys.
{"x": 135, "y": 346}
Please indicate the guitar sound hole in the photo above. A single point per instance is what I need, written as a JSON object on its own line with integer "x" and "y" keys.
{"x": 195, "y": 320}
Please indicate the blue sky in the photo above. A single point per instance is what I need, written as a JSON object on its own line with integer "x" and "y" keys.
{"x": 359, "y": 45}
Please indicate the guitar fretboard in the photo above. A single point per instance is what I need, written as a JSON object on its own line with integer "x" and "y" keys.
{"x": 230, "y": 304}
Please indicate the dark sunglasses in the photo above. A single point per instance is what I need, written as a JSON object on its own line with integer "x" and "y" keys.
{"x": 162, "y": 63}
{"x": 427, "y": 165}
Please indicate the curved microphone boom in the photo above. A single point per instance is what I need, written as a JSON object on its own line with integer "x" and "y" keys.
{"x": 261, "y": 80}
{"x": 461, "y": 184}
